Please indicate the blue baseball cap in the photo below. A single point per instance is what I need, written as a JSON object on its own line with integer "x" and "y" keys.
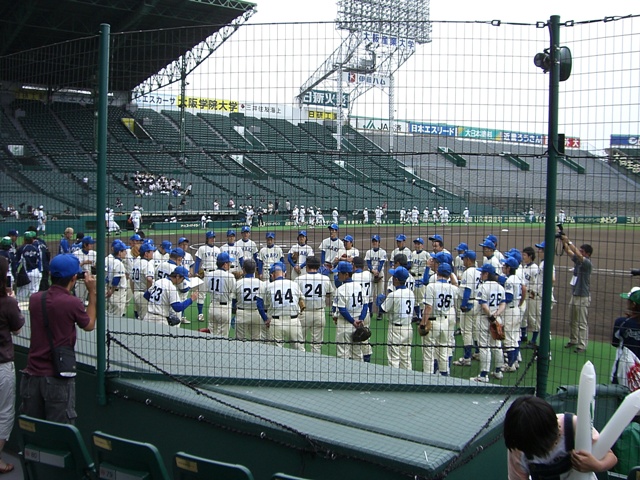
{"x": 182, "y": 271}
{"x": 463, "y": 247}
{"x": 147, "y": 247}
{"x": 348, "y": 238}
{"x": 419, "y": 240}
{"x": 375, "y": 238}
{"x": 493, "y": 238}
{"x": 270, "y": 235}
{"x": 278, "y": 266}
{"x": 135, "y": 238}
{"x": 178, "y": 252}
{"x": 343, "y": 267}
{"x": 333, "y": 226}
{"x": 182, "y": 240}
{"x": 511, "y": 262}
{"x": 487, "y": 268}
{"x": 488, "y": 244}
{"x": 469, "y": 254}
{"x": 13, "y": 233}
{"x": 119, "y": 247}
{"x": 231, "y": 233}
{"x": 515, "y": 253}
{"x": 444, "y": 269}
{"x": 436, "y": 238}
{"x": 149, "y": 241}
{"x": 224, "y": 257}
{"x": 210, "y": 234}
{"x": 88, "y": 239}
{"x": 540, "y": 245}
{"x": 166, "y": 244}
{"x": 302, "y": 233}
{"x": 442, "y": 257}
{"x": 246, "y": 228}
{"x": 65, "y": 265}
{"x": 400, "y": 273}
{"x": 116, "y": 242}
{"x": 401, "y": 238}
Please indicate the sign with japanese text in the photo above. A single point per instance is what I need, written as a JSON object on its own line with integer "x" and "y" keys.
{"x": 430, "y": 129}
{"x": 208, "y": 104}
{"x": 322, "y": 115}
{"x": 519, "y": 137}
{"x": 325, "y": 98}
{"x": 624, "y": 140}
{"x": 388, "y": 40}
{"x": 366, "y": 78}
{"x": 478, "y": 133}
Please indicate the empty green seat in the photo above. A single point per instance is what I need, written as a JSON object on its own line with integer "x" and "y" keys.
{"x": 190, "y": 467}
{"x": 117, "y": 457}
{"x": 51, "y": 451}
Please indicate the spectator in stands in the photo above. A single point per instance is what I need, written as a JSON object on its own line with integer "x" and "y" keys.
{"x": 216, "y": 205}
{"x": 231, "y": 203}
{"x": 189, "y": 190}
{"x": 170, "y": 206}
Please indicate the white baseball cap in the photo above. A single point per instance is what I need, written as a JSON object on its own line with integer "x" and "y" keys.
{"x": 41, "y": 206}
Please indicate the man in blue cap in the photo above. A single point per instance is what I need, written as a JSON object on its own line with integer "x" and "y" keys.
{"x": 348, "y": 252}
{"x": 268, "y": 255}
{"x": 283, "y": 303}
{"x": 375, "y": 258}
{"x": 491, "y": 297}
{"x": 45, "y": 394}
{"x": 249, "y": 247}
{"x": 206, "y": 257}
{"x": 298, "y": 254}
{"x": 402, "y": 249}
{"x": 512, "y": 315}
{"x": 350, "y": 304}
{"x": 488, "y": 250}
{"x": 87, "y": 258}
{"x": 27, "y": 260}
{"x": 187, "y": 262}
{"x": 221, "y": 284}
{"x": 419, "y": 259}
{"x": 399, "y": 306}
{"x": 162, "y": 252}
{"x": 116, "y": 292}
{"x": 469, "y": 308}
{"x": 439, "y": 307}
{"x": 235, "y": 251}
{"x": 142, "y": 277}
{"x": 437, "y": 244}
{"x": 330, "y": 246}
{"x": 458, "y": 266}
{"x": 533, "y": 284}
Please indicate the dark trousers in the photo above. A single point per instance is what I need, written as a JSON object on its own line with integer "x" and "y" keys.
{"x": 48, "y": 398}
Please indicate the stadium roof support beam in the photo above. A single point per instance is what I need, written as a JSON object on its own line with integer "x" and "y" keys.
{"x": 184, "y": 65}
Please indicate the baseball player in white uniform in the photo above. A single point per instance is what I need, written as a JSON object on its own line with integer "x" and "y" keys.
{"x": 319, "y": 218}
{"x": 466, "y": 214}
{"x": 399, "y": 306}
{"x": 491, "y": 297}
{"x": 365, "y": 216}
{"x": 42, "y": 220}
{"x": 283, "y": 302}
{"x": 222, "y": 287}
{"x": 511, "y": 316}
{"x": 334, "y": 215}
{"x": 269, "y": 255}
{"x": 136, "y": 218}
{"x": 439, "y": 301}
{"x": 303, "y": 251}
{"x": 87, "y": 257}
{"x": 469, "y": 308}
{"x": 348, "y": 252}
{"x": 294, "y": 215}
{"x": 116, "y": 293}
{"x": 375, "y": 258}
{"x": 187, "y": 262}
{"x": 419, "y": 259}
{"x": 235, "y": 251}
{"x": 141, "y": 279}
{"x": 164, "y": 269}
{"x": 364, "y": 277}
{"x": 378, "y": 213}
{"x": 403, "y": 215}
{"x": 401, "y": 248}
{"x": 164, "y": 298}
{"x": 110, "y": 221}
{"x": 330, "y": 246}
{"x": 249, "y": 323}
{"x": 415, "y": 215}
{"x": 531, "y": 278}
{"x": 425, "y": 216}
{"x": 349, "y": 302}
{"x": 488, "y": 250}
{"x": 162, "y": 252}
{"x": 315, "y": 289}
{"x": 206, "y": 258}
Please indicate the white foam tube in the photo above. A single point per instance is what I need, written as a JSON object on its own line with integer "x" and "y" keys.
{"x": 586, "y": 407}
{"x": 616, "y": 424}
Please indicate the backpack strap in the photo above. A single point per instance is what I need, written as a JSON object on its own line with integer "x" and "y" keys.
{"x": 569, "y": 433}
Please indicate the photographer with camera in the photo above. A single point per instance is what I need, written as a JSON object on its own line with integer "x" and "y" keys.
{"x": 47, "y": 387}
{"x": 581, "y": 291}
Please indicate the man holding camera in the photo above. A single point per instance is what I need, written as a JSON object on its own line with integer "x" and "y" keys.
{"x": 581, "y": 292}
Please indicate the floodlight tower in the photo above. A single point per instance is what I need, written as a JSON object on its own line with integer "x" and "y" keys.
{"x": 382, "y": 35}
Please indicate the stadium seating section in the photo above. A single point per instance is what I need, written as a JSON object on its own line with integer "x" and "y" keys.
{"x": 251, "y": 159}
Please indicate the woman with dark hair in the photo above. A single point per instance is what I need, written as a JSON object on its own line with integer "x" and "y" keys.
{"x": 11, "y": 321}
{"x": 541, "y": 443}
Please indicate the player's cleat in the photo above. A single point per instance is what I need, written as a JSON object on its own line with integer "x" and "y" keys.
{"x": 201, "y": 317}
{"x": 480, "y": 379}
{"x": 510, "y": 369}
{"x": 458, "y": 332}
{"x": 475, "y": 356}
{"x": 185, "y": 320}
{"x": 530, "y": 345}
{"x": 463, "y": 362}
{"x": 498, "y": 375}
{"x": 569, "y": 345}
{"x": 379, "y": 318}
{"x": 580, "y": 350}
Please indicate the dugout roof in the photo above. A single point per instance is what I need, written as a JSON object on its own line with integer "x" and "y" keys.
{"x": 26, "y": 25}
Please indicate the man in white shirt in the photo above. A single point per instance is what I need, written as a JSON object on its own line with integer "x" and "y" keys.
{"x": 164, "y": 298}
{"x": 222, "y": 287}
{"x": 142, "y": 277}
{"x": 315, "y": 288}
{"x": 269, "y": 255}
{"x": 249, "y": 323}
{"x": 87, "y": 257}
{"x": 206, "y": 257}
{"x": 349, "y": 303}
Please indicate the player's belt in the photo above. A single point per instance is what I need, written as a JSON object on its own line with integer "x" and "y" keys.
{"x": 399, "y": 325}
{"x": 282, "y": 316}
{"x": 220, "y": 303}
{"x": 511, "y": 306}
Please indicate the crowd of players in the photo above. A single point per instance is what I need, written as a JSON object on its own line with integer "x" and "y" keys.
{"x": 268, "y": 294}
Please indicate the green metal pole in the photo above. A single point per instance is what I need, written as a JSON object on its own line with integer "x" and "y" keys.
{"x": 549, "y": 226}
{"x": 103, "y": 90}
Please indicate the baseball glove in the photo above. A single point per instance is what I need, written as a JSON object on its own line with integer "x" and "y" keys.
{"x": 496, "y": 330}
{"x": 200, "y": 273}
{"x": 361, "y": 334}
{"x": 425, "y": 328}
{"x": 295, "y": 256}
